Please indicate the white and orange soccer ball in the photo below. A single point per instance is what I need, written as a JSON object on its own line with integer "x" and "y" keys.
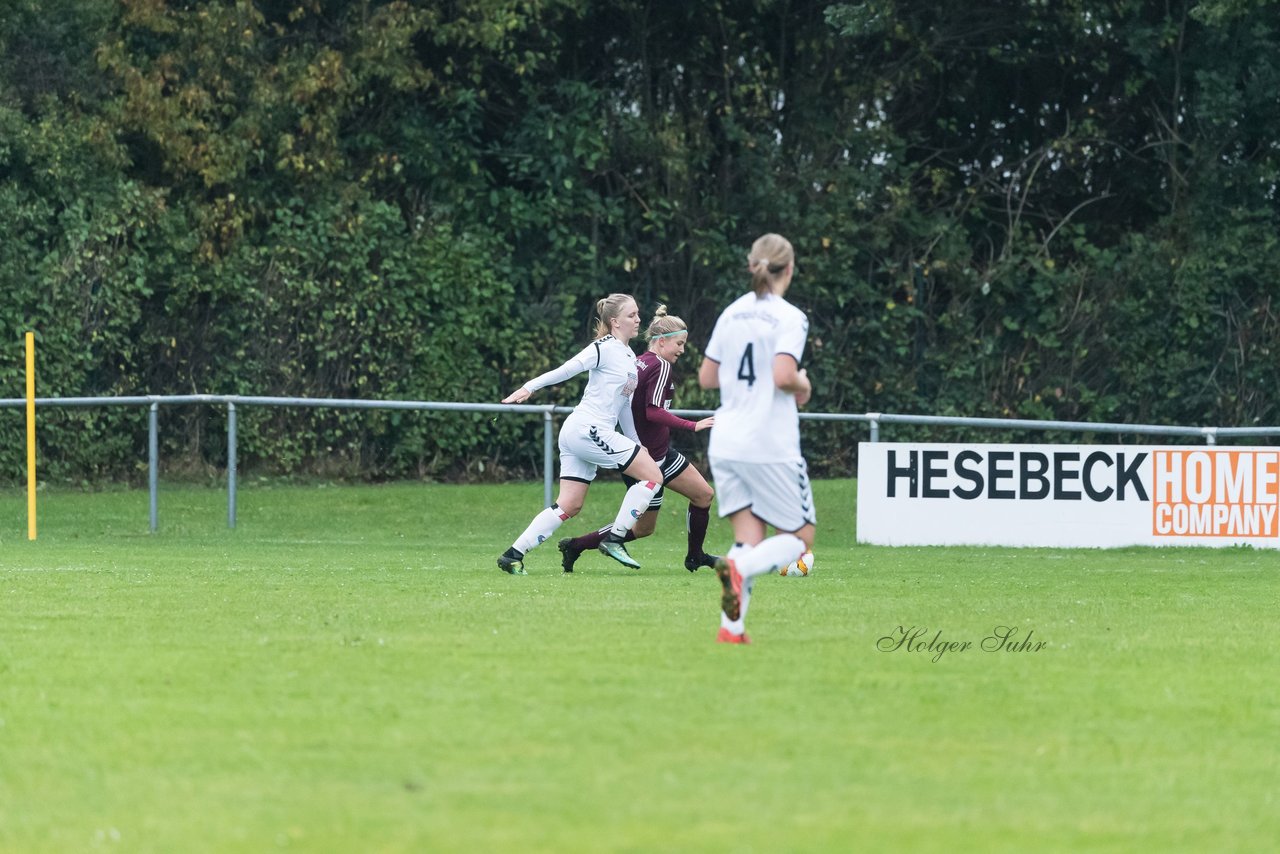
{"x": 803, "y": 566}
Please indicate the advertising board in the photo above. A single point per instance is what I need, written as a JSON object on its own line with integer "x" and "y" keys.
{"x": 1067, "y": 495}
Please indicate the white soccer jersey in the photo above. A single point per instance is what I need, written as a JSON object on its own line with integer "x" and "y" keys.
{"x": 756, "y": 422}
{"x": 611, "y": 367}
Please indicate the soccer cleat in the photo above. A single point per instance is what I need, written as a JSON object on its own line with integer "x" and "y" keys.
{"x": 511, "y": 561}
{"x": 692, "y": 562}
{"x": 568, "y": 554}
{"x": 727, "y": 636}
{"x": 731, "y": 581}
{"x": 613, "y": 547}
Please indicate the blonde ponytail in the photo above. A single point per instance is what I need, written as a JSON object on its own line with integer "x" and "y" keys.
{"x": 770, "y": 255}
{"x": 606, "y": 310}
{"x": 664, "y": 324}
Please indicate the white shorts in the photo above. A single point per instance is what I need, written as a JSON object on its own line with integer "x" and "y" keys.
{"x": 585, "y": 446}
{"x": 777, "y": 494}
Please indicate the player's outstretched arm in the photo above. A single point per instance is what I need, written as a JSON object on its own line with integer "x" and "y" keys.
{"x": 520, "y": 395}
{"x": 571, "y": 368}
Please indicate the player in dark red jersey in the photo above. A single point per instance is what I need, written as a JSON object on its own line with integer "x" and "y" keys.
{"x": 651, "y": 411}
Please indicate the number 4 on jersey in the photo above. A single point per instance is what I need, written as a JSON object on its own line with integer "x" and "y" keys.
{"x": 747, "y": 367}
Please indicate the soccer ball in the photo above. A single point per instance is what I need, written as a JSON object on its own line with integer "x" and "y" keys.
{"x": 803, "y": 566}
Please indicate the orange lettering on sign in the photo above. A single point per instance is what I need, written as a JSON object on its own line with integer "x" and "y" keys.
{"x": 1214, "y": 493}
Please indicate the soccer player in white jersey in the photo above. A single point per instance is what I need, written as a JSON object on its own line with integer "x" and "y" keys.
{"x": 590, "y": 436}
{"x": 761, "y": 479}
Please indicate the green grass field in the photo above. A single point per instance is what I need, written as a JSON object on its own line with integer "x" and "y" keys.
{"x": 348, "y": 671}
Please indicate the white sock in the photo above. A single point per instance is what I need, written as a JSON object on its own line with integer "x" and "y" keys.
{"x": 634, "y": 503}
{"x": 542, "y": 527}
{"x": 774, "y": 553}
{"x": 744, "y": 600}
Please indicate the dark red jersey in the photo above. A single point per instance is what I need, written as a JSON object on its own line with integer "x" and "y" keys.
{"x": 651, "y": 405}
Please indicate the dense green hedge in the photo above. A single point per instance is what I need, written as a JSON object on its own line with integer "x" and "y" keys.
{"x": 1050, "y": 210}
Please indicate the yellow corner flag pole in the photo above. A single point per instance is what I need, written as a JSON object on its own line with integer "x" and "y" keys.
{"x": 31, "y": 436}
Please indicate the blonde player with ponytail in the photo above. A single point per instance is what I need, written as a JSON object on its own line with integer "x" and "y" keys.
{"x": 754, "y": 358}
{"x": 599, "y": 432}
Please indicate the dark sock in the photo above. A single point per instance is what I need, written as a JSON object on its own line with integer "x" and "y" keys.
{"x": 587, "y": 542}
{"x": 698, "y": 519}
{"x": 593, "y": 540}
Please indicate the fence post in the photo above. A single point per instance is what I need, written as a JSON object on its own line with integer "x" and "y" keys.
{"x": 153, "y": 461}
{"x": 875, "y": 425}
{"x": 547, "y": 428}
{"x": 1210, "y": 435}
{"x": 231, "y": 464}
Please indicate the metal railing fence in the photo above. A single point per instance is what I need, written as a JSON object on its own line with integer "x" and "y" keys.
{"x": 874, "y": 420}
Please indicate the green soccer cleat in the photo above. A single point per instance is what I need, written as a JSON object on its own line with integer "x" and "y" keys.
{"x": 512, "y": 562}
{"x": 613, "y": 547}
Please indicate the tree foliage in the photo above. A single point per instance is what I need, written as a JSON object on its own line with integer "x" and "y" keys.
{"x": 1050, "y": 210}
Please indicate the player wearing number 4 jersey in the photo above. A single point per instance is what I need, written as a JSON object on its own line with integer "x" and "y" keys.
{"x": 590, "y": 438}
{"x": 754, "y": 358}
